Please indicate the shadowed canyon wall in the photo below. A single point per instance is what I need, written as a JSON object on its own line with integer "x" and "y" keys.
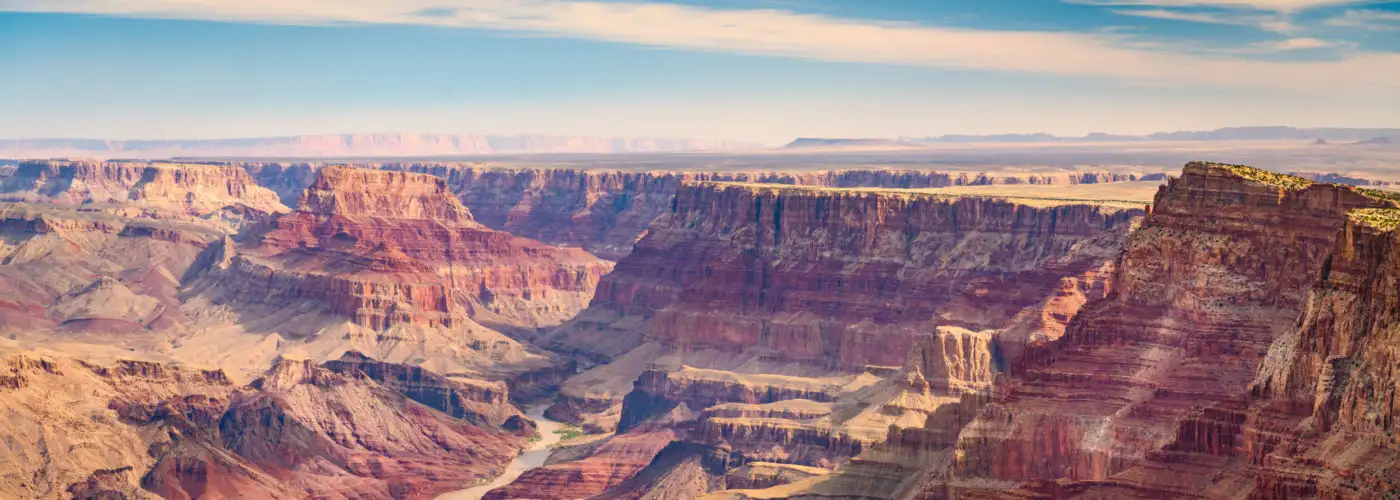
{"x": 1218, "y": 271}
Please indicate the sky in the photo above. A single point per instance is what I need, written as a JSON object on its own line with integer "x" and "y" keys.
{"x": 750, "y": 70}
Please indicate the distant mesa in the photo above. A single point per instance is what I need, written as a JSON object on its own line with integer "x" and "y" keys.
{"x": 839, "y": 143}
{"x": 1271, "y": 133}
{"x": 1317, "y": 136}
{"x": 355, "y": 145}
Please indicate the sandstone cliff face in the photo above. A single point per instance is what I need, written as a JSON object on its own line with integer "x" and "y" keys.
{"x": 387, "y": 248}
{"x": 606, "y": 212}
{"x": 838, "y": 278}
{"x": 391, "y": 264}
{"x": 1218, "y": 270}
{"x": 1323, "y": 419}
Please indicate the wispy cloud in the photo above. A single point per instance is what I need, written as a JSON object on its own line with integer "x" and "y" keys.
{"x": 789, "y": 34}
{"x": 1266, "y": 22}
{"x": 1373, "y": 20}
{"x": 1281, "y": 6}
{"x": 1289, "y": 45}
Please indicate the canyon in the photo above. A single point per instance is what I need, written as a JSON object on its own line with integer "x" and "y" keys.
{"x": 371, "y": 330}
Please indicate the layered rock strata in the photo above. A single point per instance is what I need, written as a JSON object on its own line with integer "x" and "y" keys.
{"x": 1217, "y": 271}
{"x": 843, "y": 280}
{"x": 68, "y": 271}
{"x": 607, "y": 211}
{"x": 1317, "y": 422}
{"x": 394, "y": 260}
{"x": 386, "y": 248}
{"x": 192, "y": 190}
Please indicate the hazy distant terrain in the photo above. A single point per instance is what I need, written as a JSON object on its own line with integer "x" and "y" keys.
{"x": 1333, "y": 134}
{"x": 352, "y": 145}
{"x": 1378, "y": 162}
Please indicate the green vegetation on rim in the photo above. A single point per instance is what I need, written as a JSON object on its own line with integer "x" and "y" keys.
{"x": 1384, "y": 219}
{"x": 1285, "y": 181}
{"x": 1377, "y": 194}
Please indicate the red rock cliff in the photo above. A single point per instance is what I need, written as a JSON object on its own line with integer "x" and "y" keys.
{"x": 606, "y": 211}
{"x": 838, "y": 278}
{"x": 1325, "y": 420}
{"x": 1217, "y": 271}
{"x": 388, "y": 248}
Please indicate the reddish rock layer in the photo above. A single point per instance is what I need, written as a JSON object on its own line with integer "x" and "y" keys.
{"x": 388, "y": 248}
{"x": 658, "y": 392}
{"x": 1217, "y": 271}
{"x": 606, "y": 211}
{"x": 838, "y": 278}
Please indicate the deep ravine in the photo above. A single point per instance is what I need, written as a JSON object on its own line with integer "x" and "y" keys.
{"x": 533, "y": 456}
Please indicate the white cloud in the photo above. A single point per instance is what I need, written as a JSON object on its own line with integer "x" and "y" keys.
{"x": 1373, "y": 20}
{"x": 1289, "y": 45}
{"x": 1266, "y": 22}
{"x": 782, "y": 33}
{"x": 1282, "y": 6}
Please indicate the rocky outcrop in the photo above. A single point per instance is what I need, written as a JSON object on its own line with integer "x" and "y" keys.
{"x": 65, "y": 270}
{"x": 137, "y": 429}
{"x": 1216, "y": 273}
{"x": 658, "y": 392}
{"x": 388, "y": 248}
{"x": 479, "y": 402}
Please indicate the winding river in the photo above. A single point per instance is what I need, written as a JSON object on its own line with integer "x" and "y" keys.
{"x": 533, "y": 456}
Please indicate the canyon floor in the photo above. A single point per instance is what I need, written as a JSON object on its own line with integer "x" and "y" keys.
{"x": 701, "y": 326}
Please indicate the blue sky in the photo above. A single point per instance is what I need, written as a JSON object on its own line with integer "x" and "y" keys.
{"x": 761, "y": 70}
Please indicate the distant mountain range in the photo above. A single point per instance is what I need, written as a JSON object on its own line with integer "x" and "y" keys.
{"x": 1367, "y": 135}
{"x": 354, "y": 145}
{"x": 824, "y": 143}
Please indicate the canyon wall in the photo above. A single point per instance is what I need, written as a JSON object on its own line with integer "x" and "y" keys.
{"x": 387, "y": 248}
{"x": 838, "y": 278}
{"x": 190, "y": 189}
{"x": 606, "y": 211}
{"x": 1216, "y": 273}
{"x": 394, "y": 265}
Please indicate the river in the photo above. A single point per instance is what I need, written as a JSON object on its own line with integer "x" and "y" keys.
{"x": 533, "y": 456}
